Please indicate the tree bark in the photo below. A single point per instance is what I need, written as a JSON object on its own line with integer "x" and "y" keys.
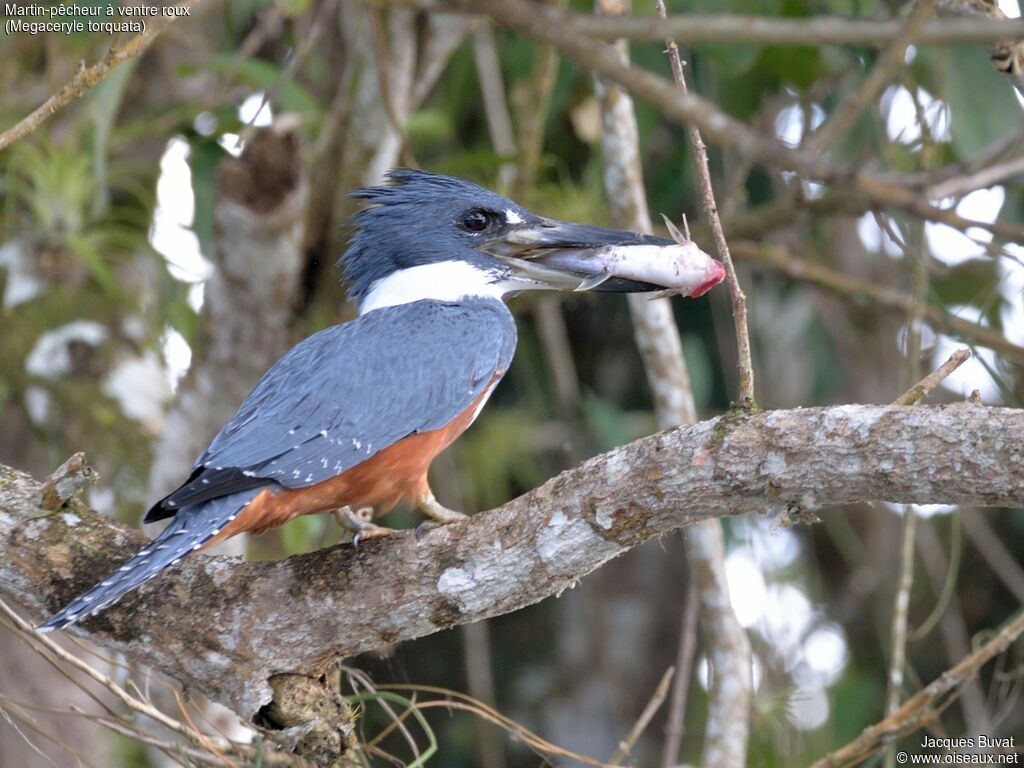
{"x": 226, "y": 627}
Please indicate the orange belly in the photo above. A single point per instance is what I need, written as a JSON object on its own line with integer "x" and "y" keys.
{"x": 397, "y": 473}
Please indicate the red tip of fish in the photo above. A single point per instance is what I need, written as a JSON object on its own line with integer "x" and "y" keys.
{"x": 713, "y": 275}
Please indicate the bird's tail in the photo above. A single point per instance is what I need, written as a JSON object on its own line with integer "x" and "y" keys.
{"x": 191, "y": 528}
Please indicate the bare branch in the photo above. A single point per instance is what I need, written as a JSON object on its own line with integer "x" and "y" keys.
{"x": 691, "y": 29}
{"x": 779, "y": 258}
{"x": 739, "y": 299}
{"x": 653, "y": 705}
{"x": 921, "y": 390}
{"x": 657, "y": 338}
{"x": 984, "y": 177}
{"x": 922, "y": 708}
{"x": 697, "y": 28}
{"x": 675, "y": 728}
{"x": 999, "y": 558}
{"x": 889, "y": 63}
{"x": 90, "y": 76}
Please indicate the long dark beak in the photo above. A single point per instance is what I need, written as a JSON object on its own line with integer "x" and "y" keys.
{"x": 565, "y": 256}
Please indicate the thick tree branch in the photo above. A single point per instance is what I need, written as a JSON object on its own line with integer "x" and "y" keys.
{"x": 226, "y": 627}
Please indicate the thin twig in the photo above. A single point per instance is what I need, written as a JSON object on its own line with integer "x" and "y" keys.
{"x": 43, "y": 645}
{"x": 898, "y": 632}
{"x": 885, "y": 69}
{"x": 984, "y": 177}
{"x": 86, "y": 78}
{"x": 923, "y": 707}
{"x": 946, "y": 595}
{"x": 954, "y": 171}
{"x": 765, "y": 30}
{"x": 460, "y": 701}
{"x": 1000, "y": 559}
{"x": 107, "y": 682}
{"x": 287, "y": 74}
{"x": 739, "y": 300}
{"x": 495, "y": 99}
{"x": 779, "y": 258}
{"x": 681, "y": 684}
{"x": 206, "y": 743}
{"x": 382, "y": 64}
{"x": 905, "y": 579}
{"x": 953, "y": 631}
{"x": 358, "y": 677}
{"x": 657, "y": 338}
{"x": 921, "y": 390}
{"x": 532, "y": 110}
{"x": 657, "y": 699}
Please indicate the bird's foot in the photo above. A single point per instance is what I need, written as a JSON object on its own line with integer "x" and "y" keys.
{"x": 360, "y": 523}
{"x": 436, "y": 511}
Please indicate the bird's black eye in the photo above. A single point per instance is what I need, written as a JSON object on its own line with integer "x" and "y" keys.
{"x": 476, "y": 220}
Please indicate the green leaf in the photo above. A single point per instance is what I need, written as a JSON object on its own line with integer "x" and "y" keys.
{"x": 86, "y": 251}
{"x": 794, "y": 65}
{"x": 982, "y": 105}
{"x": 430, "y": 125}
{"x": 302, "y": 534}
{"x": 182, "y": 318}
{"x": 293, "y": 8}
{"x": 104, "y": 103}
{"x": 203, "y": 159}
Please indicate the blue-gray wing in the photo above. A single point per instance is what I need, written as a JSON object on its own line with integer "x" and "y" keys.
{"x": 350, "y": 391}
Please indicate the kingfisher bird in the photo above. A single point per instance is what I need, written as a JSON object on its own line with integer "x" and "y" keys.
{"x": 352, "y": 417}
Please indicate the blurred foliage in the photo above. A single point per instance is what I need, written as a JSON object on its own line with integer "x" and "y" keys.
{"x": 78, "y": 199}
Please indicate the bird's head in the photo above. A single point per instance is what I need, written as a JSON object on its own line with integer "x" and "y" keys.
{"x": 428, "y": 236}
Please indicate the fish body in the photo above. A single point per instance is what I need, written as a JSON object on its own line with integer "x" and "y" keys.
{"x": 681, "y": 268}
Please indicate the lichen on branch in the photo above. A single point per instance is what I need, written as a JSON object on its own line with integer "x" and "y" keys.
{"x": 226, "y": 627}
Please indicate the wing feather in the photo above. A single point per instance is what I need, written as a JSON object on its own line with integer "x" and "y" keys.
{"x": 350, "y": 391}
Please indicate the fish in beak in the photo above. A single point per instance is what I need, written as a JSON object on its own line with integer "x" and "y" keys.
{"x": 580, "y": 257}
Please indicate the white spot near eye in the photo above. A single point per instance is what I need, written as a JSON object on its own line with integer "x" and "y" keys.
{"x": 512, "y": 217}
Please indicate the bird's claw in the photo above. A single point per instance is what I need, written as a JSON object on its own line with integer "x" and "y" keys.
{"x": 371, "y": 531}
{"x": 425, "y": 527}
{"x": 359, "y": 523}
